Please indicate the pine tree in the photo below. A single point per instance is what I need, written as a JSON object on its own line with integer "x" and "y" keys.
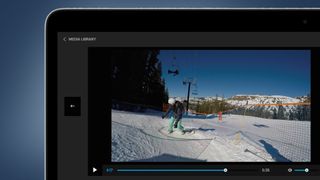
{"x": 136, "y": 77}
{"x": 291, "y": 115}
{"x": 274, "y": 114}
{"x": 281, "y": 113}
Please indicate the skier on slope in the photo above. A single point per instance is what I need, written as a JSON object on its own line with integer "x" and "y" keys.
{"x": 174, "y": 112}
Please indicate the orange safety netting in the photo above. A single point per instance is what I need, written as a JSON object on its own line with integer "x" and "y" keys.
{"x": 166, "y": 106}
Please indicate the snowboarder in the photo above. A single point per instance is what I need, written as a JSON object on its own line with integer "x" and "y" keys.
{"x": 174, "y": 112}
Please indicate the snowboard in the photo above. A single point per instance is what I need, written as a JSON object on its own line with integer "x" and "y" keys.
{"x": 186, "y": 134}
{"x": 188, "y": 131}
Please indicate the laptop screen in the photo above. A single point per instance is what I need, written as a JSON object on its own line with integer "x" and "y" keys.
{"x": 187, "y": 103}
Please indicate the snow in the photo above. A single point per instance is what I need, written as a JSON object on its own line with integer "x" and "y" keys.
{"x": 237, "y": 138}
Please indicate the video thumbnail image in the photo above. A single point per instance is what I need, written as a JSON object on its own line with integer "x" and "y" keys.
{"x": 175, "y": 105}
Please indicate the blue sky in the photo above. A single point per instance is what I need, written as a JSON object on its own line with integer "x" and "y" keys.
{"x": 231, "y": 72}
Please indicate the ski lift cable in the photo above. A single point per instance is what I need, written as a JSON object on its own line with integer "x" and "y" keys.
{"x": 194, "y": 58}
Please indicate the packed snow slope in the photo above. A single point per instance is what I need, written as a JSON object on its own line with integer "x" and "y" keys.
{"x": 143, "y": 137}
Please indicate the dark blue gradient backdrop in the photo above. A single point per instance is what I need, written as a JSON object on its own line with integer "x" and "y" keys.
{"x": 22, "y": 69}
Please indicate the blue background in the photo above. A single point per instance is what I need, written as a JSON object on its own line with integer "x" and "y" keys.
{"x": 22, "y": 68}
{"x": 231, "y": 72}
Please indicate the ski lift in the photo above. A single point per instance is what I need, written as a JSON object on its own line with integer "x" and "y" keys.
{"x": 174, "y": 69}
{"x": 195, "y": 91}
{"x": 175, "y": 72}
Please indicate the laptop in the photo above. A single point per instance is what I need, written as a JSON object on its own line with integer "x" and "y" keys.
{"x": 172, "y": 93}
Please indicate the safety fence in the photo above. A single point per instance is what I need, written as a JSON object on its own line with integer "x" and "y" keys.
{"x": 244, "y": 108}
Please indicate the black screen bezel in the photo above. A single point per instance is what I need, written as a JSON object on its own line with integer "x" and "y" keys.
{"x": 164, "y": 20}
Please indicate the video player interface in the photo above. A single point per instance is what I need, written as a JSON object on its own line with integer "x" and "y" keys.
{"x": 168, "y": 105}
{"x": 209, "y": 105}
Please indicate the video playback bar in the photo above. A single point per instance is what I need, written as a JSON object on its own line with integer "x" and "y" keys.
{"x": 172, "y": 170}
{"x": 261, "y": 170}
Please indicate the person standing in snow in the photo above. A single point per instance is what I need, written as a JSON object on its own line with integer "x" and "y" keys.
{"x": 174, "y": 112}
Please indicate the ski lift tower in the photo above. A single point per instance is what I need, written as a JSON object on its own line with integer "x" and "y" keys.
{"x": 188, "y": 81}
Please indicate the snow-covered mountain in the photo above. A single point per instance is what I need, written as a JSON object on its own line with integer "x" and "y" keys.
{"x": 259, "y": 105}
{"x": 244, "y": 100}
{"x": 194, "y": 99}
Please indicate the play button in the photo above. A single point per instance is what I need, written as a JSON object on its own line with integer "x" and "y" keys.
{"x": 94, "y": 169}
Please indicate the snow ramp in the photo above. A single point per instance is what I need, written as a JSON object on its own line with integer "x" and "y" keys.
{"x": 138, "y": 137}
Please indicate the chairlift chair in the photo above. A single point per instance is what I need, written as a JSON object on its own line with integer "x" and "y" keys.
{"x": 174, "y": 69}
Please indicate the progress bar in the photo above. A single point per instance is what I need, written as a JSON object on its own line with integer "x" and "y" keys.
{"x": 173, "y": 170}
{"x": 301, "y": 170}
